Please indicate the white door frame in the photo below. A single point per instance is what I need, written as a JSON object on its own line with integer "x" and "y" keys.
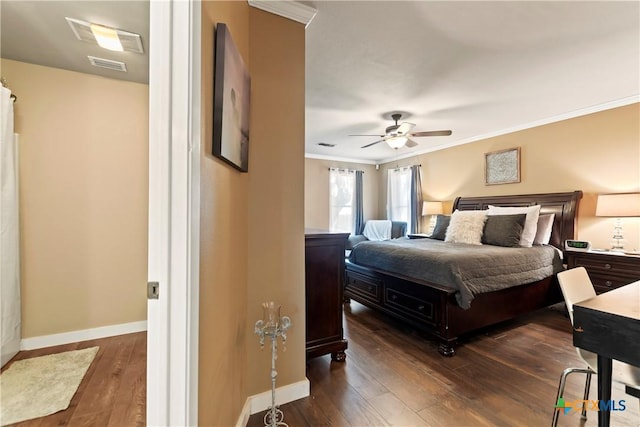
{"x": 174, "y": 212}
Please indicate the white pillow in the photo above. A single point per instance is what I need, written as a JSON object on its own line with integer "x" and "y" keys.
{"x": 466, "y": 227}
{"x": 530, "y": 222}
{"x": 545, "y": 227}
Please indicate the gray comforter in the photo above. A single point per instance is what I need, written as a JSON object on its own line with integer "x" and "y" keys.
{"x": 470, "y": 269}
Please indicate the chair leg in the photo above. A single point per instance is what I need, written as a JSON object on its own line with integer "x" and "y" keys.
{"x": 561, "y": 385}
{"x": 587, "y": 386}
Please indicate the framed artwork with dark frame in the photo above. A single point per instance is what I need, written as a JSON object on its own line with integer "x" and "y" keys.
{"x": 231, "y": 100}
{"x": 502, "y": 167}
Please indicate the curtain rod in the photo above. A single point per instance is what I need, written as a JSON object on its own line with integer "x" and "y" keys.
{"x": 3, "y": 81}
{"x": 397, "y": 168}
{"x": 345, "y": 169}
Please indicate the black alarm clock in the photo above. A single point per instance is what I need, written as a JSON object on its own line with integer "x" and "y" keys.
{"x": 577, "y": 245}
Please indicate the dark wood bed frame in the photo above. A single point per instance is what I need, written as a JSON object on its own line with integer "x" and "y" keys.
{"x": 433, "y": 309}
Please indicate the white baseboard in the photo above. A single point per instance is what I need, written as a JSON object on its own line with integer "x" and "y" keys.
{"x": 260, "y": 402}
{"x": 82, "y": 335}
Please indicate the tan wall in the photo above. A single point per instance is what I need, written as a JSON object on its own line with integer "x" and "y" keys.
{"x": 83, "y": 198}
{"x": 316, "y": 191}
{"x": 597, "y": 153}
{"x": 223, "y": 245}
{"x": 252, "y": 224}
{"x": 276, "y": 191}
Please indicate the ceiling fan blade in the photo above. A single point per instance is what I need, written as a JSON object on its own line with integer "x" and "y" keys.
{"x": 404, "y": 128}
{"x": 379, "y": 136}
{"x": 373, "y": 143}
{"x": 432, "y": 133}
{"x": 410, "y": 143}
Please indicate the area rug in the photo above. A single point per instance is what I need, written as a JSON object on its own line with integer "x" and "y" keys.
{"x": 41, "y": 386}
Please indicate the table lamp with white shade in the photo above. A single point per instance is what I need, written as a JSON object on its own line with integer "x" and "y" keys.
{"x": 433, "y": 209}
{"x": 618, "y": 206}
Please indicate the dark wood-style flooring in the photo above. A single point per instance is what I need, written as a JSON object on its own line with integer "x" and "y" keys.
{"x": 507, "y": 376}
{"x": 113, "y": 391}
{"x": 393, "y": 376}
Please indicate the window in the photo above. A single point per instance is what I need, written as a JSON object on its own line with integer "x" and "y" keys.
{"x": 404, "y": 196}
{"x": 342, "y": 185}
{"x": 399, "y": 195}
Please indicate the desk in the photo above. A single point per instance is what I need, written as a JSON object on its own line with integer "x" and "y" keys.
{"x": 609, "y": 325}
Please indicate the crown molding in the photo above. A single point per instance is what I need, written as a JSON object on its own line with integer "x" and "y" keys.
{"x": 524, "y": 126}
{"x": 287, "y": 9}
{"x": 340, "y": 159}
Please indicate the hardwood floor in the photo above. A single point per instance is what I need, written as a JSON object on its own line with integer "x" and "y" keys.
{"x": 113, "y": 391}
{"x": 507, "y": 376}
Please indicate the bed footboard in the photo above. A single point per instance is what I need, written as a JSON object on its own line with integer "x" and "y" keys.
{"x": 433, "y": 309}
{"x": 421, "y": 305}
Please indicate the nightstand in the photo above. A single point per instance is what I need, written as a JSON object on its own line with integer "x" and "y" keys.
{"x": 607, "y": 270}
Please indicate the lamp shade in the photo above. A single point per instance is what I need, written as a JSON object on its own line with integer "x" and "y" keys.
{"x": 618, "y": 205}
{"x": 431, "y": 208}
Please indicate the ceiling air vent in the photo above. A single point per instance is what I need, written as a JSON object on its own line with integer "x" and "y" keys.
{"x": 107, "y": 63}
{"x": 131, "y": 42}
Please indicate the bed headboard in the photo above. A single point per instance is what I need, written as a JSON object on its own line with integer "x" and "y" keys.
{"x": 563, "y": 205}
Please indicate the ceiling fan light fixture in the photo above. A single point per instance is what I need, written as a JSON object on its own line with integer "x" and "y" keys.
{"x": 397, "y": 141}
{"x": 106, "y": 37}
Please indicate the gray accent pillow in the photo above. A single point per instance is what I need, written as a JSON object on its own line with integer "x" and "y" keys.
{"x": 503, "y": 230}
{"x": 440, "y": 229}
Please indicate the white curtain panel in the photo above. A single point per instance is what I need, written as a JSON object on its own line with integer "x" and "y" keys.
{"x": 9, "y": 233}
{"x": 399, "y": 195}
{"x": 342, "y": 184}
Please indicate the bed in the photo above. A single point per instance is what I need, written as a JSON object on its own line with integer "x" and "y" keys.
{"x": 443, "y": 310}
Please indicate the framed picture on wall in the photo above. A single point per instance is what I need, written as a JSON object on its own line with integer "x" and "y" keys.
{"x": 502, "y": 167}
{"x": 231, "y": 100}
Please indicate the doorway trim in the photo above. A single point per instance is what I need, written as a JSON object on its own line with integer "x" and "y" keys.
{"x": 174, "y": 212}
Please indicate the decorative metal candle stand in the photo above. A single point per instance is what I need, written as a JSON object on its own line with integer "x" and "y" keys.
{"x": 273, "y": 326}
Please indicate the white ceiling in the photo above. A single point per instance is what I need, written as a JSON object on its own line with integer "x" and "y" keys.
{"x": 36, "y": 32}
{"x": 477, "y": 68}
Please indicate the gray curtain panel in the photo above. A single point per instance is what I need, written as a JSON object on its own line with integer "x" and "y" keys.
{"x": 416, "y": 199}
{"x": 358, "y": 209}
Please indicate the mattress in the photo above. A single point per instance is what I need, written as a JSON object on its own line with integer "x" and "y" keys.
{"x": 469, "y": 269}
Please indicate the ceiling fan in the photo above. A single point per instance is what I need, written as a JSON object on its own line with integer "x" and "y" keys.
{"x": 398, "y": 135}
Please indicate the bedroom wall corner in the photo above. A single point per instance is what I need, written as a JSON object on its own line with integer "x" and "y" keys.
{"x": 316, "y": 190}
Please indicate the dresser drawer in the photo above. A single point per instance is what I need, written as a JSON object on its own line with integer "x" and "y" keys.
{"x": 364, "y": 286}
{"x": 607, "y": 271}
{"x": 608, "y": 266}
{"x": 604, "y": 283}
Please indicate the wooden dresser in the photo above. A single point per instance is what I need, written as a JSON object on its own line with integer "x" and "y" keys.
{"x": 607, "y": 270}
{"x": 324, "y": 280}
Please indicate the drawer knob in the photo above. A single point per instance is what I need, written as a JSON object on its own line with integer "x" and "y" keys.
{"x": 370, "y": 288}
{"x": 394, "y": 297}
{"x": 608, "y": 283}
{"x": 607, "y": 266}
{"x": 421, "y": 307}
